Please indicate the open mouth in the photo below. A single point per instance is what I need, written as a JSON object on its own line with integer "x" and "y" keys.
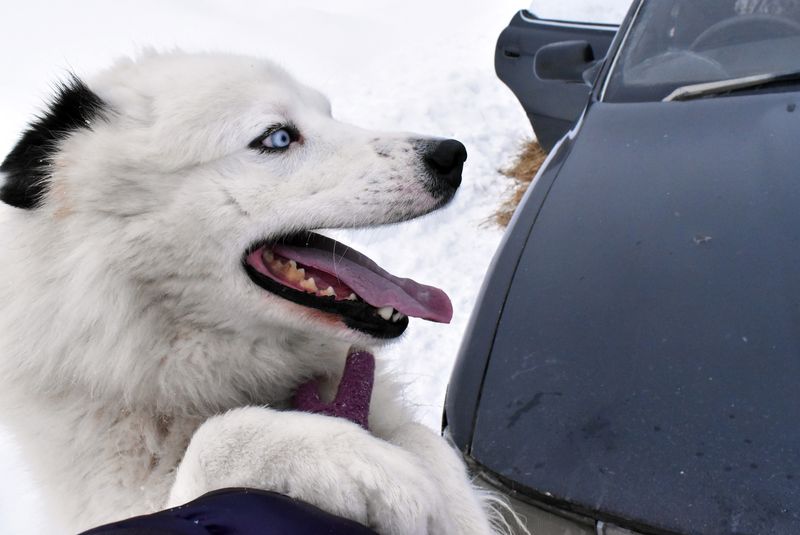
{"x": 318, "y": 272}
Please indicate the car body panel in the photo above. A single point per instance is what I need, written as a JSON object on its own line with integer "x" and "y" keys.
{"x": 644, "y": 368}
{"x": 466, "y": 381}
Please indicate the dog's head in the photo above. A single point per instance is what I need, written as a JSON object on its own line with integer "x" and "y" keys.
{"x": 199, "y": 178}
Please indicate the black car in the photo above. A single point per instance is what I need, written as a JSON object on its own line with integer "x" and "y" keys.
{"x": 633, "y": 362}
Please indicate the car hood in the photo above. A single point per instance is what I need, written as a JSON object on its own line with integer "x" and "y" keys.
{"x": 645, "y": 366}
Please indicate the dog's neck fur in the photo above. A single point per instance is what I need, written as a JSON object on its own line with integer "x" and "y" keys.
{"x": 145, "y": 338}
{"x": 162, "y": 372}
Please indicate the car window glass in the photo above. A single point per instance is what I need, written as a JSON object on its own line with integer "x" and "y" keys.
{"x": 682, "y": 42}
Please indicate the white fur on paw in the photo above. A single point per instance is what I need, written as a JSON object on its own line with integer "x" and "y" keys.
{"x": 472, "y": 511}
{"x": 328, "y": 462}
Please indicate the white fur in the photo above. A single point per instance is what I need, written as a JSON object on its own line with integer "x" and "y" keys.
{"x": 129, "y": 331}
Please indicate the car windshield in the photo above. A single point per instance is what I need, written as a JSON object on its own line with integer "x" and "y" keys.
{"x": 676, "y": 43}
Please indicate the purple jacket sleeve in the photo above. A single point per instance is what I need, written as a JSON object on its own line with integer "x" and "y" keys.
{"x": 237, "y": 512}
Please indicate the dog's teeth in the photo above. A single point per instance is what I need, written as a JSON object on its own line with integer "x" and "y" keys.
{"x": 309, "y": 285}
{"x": 397, "y": 317}
{"x": 329, "y": 292}
{"x": 292, "y": 264}
{"x": 385, "y": 312}
{"x": 295, "y": 275}
{"x": 267, "y": 256}
{"x": 352, "y": 297}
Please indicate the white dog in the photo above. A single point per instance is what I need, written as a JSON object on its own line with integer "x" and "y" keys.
{"x": 156, "y": 317}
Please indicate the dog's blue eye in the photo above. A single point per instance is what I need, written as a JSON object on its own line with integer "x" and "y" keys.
{"x": 276, "y": 138}
{"x": 279, "y": 139}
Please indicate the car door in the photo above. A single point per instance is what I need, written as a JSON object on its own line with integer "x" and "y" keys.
{"x": 550, "y": 67}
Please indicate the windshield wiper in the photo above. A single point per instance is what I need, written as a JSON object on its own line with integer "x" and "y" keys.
{"x": 722, "y": 87}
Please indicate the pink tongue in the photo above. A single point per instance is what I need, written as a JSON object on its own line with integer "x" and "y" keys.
{"x": 372, "y": 283}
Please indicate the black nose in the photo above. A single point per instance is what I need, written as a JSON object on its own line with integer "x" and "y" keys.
{"x": 446, "y": 161}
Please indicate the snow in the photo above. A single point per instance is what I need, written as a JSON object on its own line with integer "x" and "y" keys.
{"x": 413, "y": 65}
{"x": 601, "y": 11}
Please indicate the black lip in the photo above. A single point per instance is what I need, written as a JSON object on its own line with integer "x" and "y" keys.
{"x": 356, "y": 315}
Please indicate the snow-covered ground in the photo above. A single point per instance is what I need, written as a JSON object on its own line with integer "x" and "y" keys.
{"x": 416, "y": 65}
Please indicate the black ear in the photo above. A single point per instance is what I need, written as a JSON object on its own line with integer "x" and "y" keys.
{"x": 27, "y": 167}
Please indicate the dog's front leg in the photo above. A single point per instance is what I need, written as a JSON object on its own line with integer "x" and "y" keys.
{"x": 468, "y": 508}
{"x": 333, "y": 464}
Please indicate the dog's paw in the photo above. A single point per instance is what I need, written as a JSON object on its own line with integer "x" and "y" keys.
{"x": 328, "y": 462}
{"x": 471, "y": 509}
